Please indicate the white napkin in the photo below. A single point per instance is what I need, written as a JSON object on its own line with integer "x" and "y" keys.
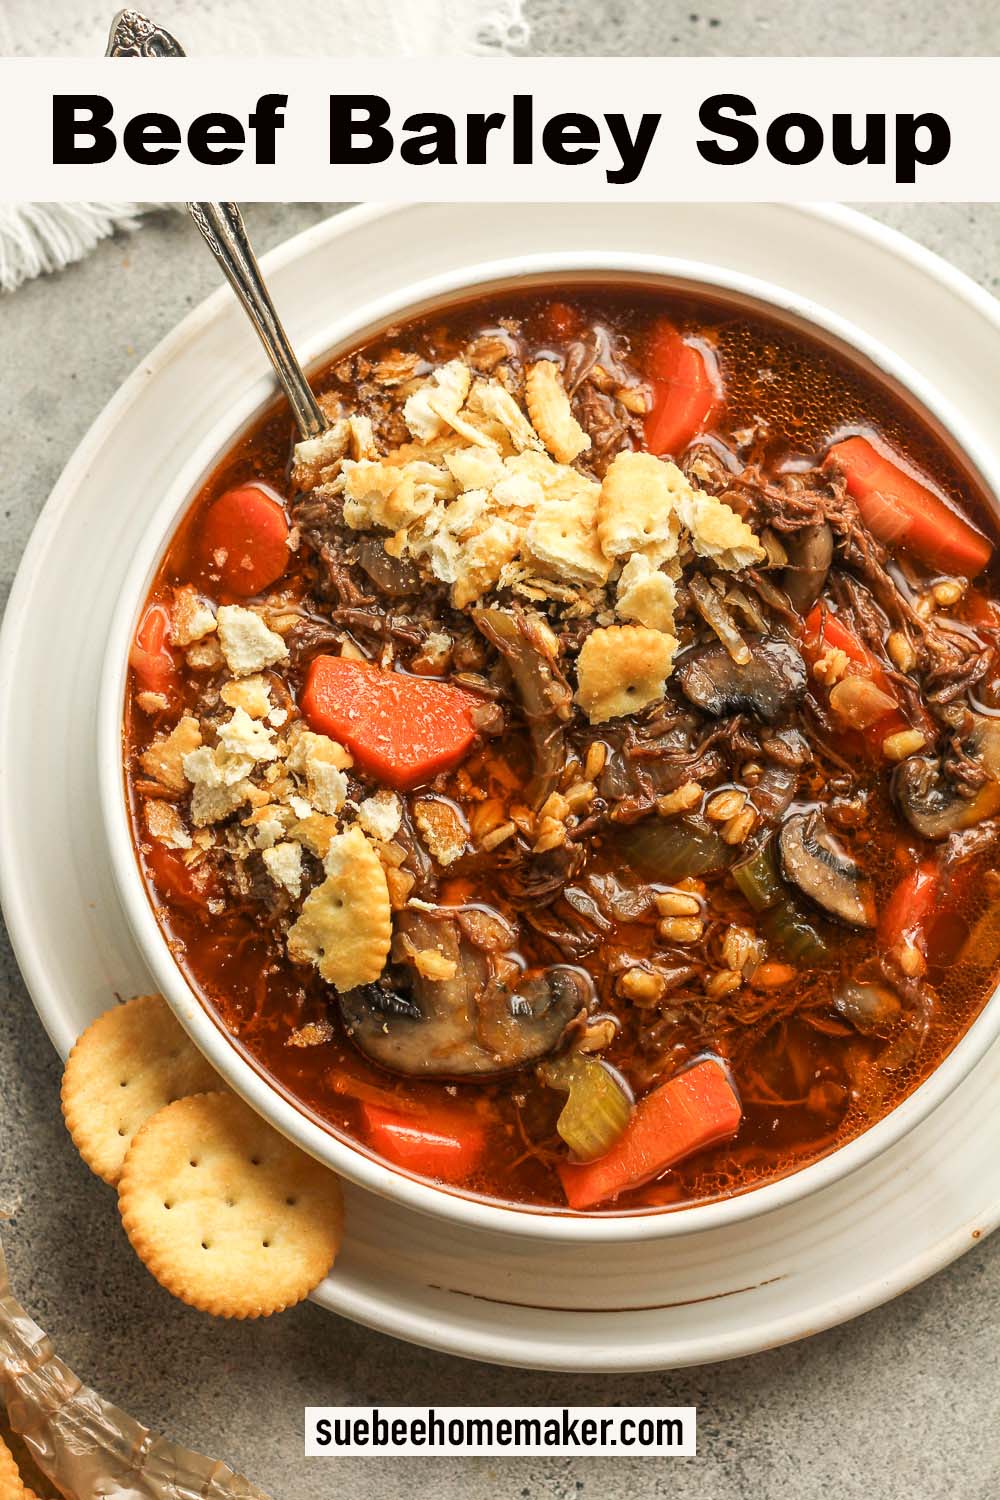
{"x": 37, "y": 237}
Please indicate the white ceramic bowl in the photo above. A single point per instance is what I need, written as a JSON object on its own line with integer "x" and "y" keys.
{"x": 341, "y": 1155}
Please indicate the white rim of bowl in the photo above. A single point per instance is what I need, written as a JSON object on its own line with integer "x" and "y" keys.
{"x": 552, "y": 1225}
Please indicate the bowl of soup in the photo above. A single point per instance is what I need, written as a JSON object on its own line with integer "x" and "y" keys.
{"x": 562, "y": 795}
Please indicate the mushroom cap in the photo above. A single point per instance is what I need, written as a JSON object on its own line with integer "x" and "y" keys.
{"x": 814, "y": 861}
{"x": 768, "y": 686}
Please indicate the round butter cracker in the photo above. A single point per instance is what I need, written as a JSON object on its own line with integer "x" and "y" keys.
{"x": 224, "y": 1212}
{"x": 127, "y": 1065}
{"x": 11, "y": 1483}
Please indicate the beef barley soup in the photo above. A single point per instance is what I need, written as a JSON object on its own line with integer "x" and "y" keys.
{"x": 575, "y": 776}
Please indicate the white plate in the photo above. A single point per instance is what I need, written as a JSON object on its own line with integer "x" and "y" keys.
{"x": 703, "y": 1297}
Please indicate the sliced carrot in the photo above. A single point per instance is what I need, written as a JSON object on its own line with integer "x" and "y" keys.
{"x": 928, "y": 910}
{"x": 243, "y": 540}
{"x": 684, "y": 392}
{"x": 978, "y": 610}
{"x": 823, "y": 631}
{"x": 150, "y": 656}
{"x": 693, "y": 1110}
{"x": 905, "y": 916}
{"x": 402, "y": 730}
{"x": 446, "y": 1144}
{"x": 900, "y": 510}
{"x": 181, "y": 884}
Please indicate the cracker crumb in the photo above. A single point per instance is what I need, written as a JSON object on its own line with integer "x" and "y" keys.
{"x": 211, "y": 804}
{"x": 441, "y": 829}
{"x": 252, "y": 694}
{"x": 646, "y": 594}
{"x": 321, "y": 761}
{"x": 247, "y": 644}
{"x": 716, "y": 530}
{"x": 316, "y": 831}
{"x": 313, "y": 456}
{"x": 562, "y": 539}
{"x": 312, "y": 1034}
{"x": 284, "y": 865}
{"x": 269, "y": 829}
{"x": 205, "y": 655}
{"x": 164, "y": 759}
{"x": 345, "y": 925}
{"x": 427, "y": 412}
{"x": 152, "y": 703}
{"x": 164, "y": 823}
{"x": 190, "y": 618}
{"x": 637, "y": 507}
{"x": 551, "y": 414}
{"x": 380, "y": 815}
{"x": 245, "y": 738}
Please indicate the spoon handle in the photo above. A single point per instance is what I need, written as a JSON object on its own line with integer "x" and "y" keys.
{"x": 222, "y": 226}
{"x": 134, "y": 35}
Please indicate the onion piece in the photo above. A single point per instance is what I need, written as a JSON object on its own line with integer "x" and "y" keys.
{"x": 713, "y": 611}
{"x": 799, "y": 939}
{"x": 860, "y": 702}
{"x": 669, "y": 849}
{"x": 759, "y": 880}
{"x": 739, "y": 600}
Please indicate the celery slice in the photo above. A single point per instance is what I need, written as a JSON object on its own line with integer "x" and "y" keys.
{"x": 598, "y": 1107}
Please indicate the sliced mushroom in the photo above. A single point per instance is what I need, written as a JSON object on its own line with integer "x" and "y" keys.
{"x": 871, "y": 1008}
{"x": 810, "y": 553}
{"x": 788, "y": 747}
{"x": 813, "y": 860}
{"x": 486, "y": 1018}
{"x": 520, "y": 1027}
{"x": 786, "y": 752}
{"x": 546, "y": 697}
{"x": 932, "y": 806}
{"x": 767, "y": 686}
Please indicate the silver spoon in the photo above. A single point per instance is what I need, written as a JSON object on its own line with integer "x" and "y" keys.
{"x": 222, "y": 227}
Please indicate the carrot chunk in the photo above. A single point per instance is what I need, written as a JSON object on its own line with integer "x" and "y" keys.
{"x": 823, "y": 631}
{"x": 402, "y": 730}
{"x": 243, "y": 540}
{"x": 438, "y": 1143}
{"x": 910, "y": 907}
{"x": 684, "y": 391}
{"x": 150, "y": 656}
{"x": 899, "y": 509}
{"x": 692, "y": 1110}
{"x": 184, "y": 885}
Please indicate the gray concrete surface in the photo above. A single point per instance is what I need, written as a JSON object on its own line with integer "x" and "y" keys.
{"x": 901, "y": 1403}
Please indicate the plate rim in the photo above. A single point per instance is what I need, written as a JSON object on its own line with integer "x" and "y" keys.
{"x": 885, "y": 238}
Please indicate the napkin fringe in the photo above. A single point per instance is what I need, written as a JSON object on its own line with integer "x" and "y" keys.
{"x": 38, "y": 237}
